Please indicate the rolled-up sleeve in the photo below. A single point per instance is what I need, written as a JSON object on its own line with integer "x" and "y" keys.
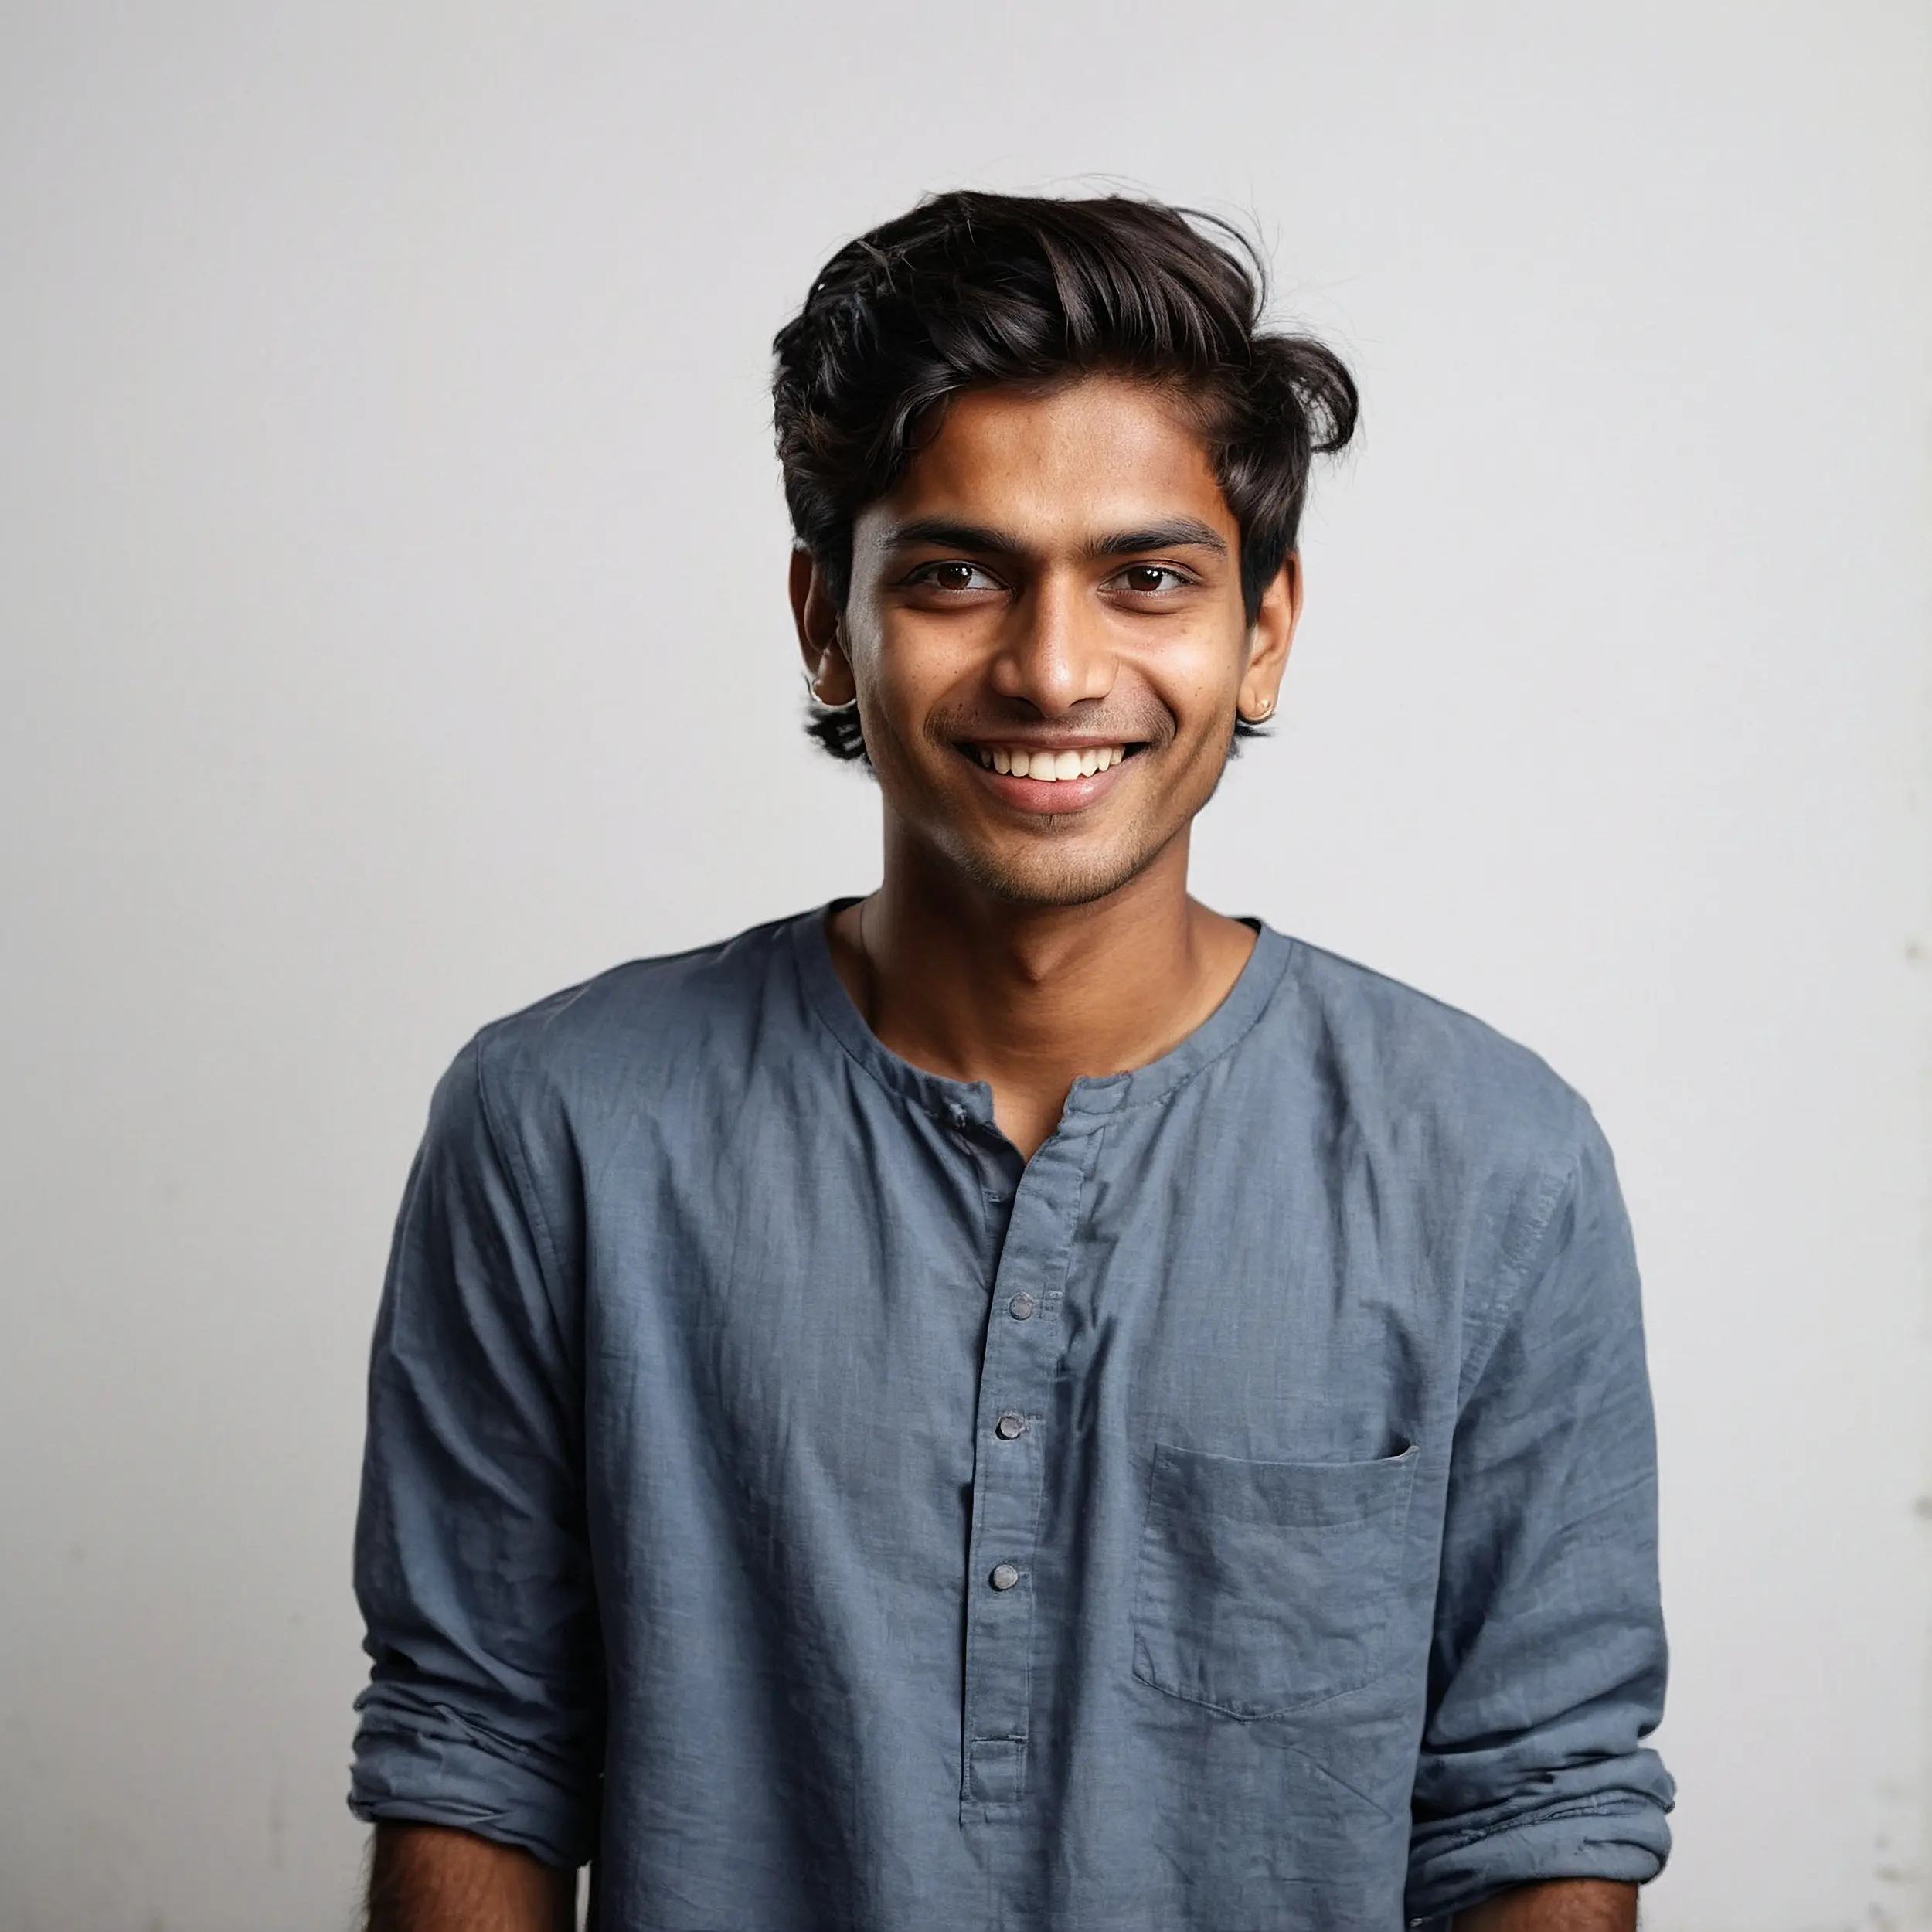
{"x": 1548, "y": 1666}
{"x": 484, "y": 1709}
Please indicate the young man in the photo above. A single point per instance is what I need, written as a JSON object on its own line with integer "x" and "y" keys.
{"x": 1016, "y": 1402}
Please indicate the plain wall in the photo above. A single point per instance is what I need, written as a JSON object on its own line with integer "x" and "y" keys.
{"x": 391, "y": 599}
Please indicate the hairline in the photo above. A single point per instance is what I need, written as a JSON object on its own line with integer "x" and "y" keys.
{"x": 1181, "y": 386}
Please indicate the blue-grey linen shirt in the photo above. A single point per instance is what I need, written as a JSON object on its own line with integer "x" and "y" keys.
{"x": 1241, "y": 1515}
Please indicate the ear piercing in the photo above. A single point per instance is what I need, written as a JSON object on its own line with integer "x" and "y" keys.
{"x": 1257, "y": 717}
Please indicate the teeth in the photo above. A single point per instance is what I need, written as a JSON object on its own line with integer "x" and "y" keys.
{"x": 1053, "y": 765}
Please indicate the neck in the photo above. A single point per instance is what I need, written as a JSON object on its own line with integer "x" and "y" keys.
{"x": 1029, "y": 998}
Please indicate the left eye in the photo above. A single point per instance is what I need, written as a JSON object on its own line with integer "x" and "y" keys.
{"x": 1145, "y": 578}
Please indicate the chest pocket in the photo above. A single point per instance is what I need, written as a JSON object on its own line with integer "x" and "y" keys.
{"x": 1266, "y": 1586}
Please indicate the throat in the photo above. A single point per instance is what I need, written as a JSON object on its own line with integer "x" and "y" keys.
{"x": 1029, "y": 1003}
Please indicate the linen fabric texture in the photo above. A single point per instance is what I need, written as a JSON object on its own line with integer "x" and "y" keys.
{"x": 1241, "y": 1515}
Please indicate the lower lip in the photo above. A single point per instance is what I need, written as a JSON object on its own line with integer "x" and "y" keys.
{"x": 1049, "y": 794}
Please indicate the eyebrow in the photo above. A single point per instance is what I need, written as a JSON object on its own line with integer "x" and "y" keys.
{"x": 1181, "y": 533}
{"x": 1176, "y": 533}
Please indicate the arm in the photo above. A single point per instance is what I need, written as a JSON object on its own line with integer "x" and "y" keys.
{"x": 427, "y": 1877}
{"x": 1564, "y": 1904}
{"x": 1547, "y": 1670}
{"x": 483, "y": 1712}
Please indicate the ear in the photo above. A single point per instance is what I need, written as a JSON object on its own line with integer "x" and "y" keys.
{"x": 1270, "y": 636}
{"x": 821, "y": 635}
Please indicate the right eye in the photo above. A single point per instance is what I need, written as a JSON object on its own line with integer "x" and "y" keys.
{"x": 955, "y": 575}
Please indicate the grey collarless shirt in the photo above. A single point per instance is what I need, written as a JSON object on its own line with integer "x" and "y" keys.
{"x": 1240, "y": 1515}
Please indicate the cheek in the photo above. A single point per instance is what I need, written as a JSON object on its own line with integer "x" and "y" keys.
{"x": 1197, "y": 679}
{"x": 910, "y": 675}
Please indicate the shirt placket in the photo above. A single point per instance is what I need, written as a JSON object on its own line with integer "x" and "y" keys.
{"x": 1010, "y": 1446}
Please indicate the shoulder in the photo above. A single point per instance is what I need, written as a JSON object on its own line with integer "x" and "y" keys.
{"x": 639, "y": 1030}
{"x": 1459, "y": 1103}
{"x": 1496, "y": 1153}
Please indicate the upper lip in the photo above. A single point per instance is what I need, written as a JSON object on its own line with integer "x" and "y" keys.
{"x": 1021, "y": 741}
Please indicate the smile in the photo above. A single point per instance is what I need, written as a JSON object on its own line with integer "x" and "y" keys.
{"x": 1055, "y": 766}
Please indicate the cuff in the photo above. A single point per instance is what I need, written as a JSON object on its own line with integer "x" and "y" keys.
{"x": 1627, "y": 1841}
{"x": 424, "y": 1763}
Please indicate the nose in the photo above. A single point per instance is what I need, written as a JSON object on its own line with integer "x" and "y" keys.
{"x": 1055, "y": 653}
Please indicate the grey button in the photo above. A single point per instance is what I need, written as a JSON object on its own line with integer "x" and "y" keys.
{"x": 1004, "y": 1577}
{"x": 1008, "y": 1425}
{"x": 957, "y": 1114}
{"x": 1021, "y": 1306}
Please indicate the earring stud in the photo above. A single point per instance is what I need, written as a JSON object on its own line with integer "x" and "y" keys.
{"x": 1257, "y": 717}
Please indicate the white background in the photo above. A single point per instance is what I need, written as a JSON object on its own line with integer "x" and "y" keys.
{"x": 390, "y": 592}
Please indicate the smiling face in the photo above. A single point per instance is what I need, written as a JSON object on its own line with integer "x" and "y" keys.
{"x": 1046, "y": 637}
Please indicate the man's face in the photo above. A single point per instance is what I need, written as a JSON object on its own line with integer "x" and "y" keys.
{"x": 1046, "y": 637}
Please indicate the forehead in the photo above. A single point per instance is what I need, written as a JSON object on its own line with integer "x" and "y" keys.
{"x": 1103, "y": 453}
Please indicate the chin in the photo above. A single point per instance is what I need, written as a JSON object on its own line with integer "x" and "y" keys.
{"x": 1044, "y": 878}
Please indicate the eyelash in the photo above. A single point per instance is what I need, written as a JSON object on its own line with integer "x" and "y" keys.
{"x": 925, "y": 574}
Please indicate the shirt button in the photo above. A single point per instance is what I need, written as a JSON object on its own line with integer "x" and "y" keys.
{"x": 1004, "y": 1577}
{"x": 957, "y": 1114}
{"x": 1021, "y": 1306}
{"x": 1008, "y": 1425}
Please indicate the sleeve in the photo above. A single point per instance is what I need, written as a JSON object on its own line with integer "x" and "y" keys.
{"x": 1547, "y": 1667}
{"x": 484, "y": 1706}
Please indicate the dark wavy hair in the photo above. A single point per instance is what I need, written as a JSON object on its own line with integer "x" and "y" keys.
{"x": 969, "y": 290}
